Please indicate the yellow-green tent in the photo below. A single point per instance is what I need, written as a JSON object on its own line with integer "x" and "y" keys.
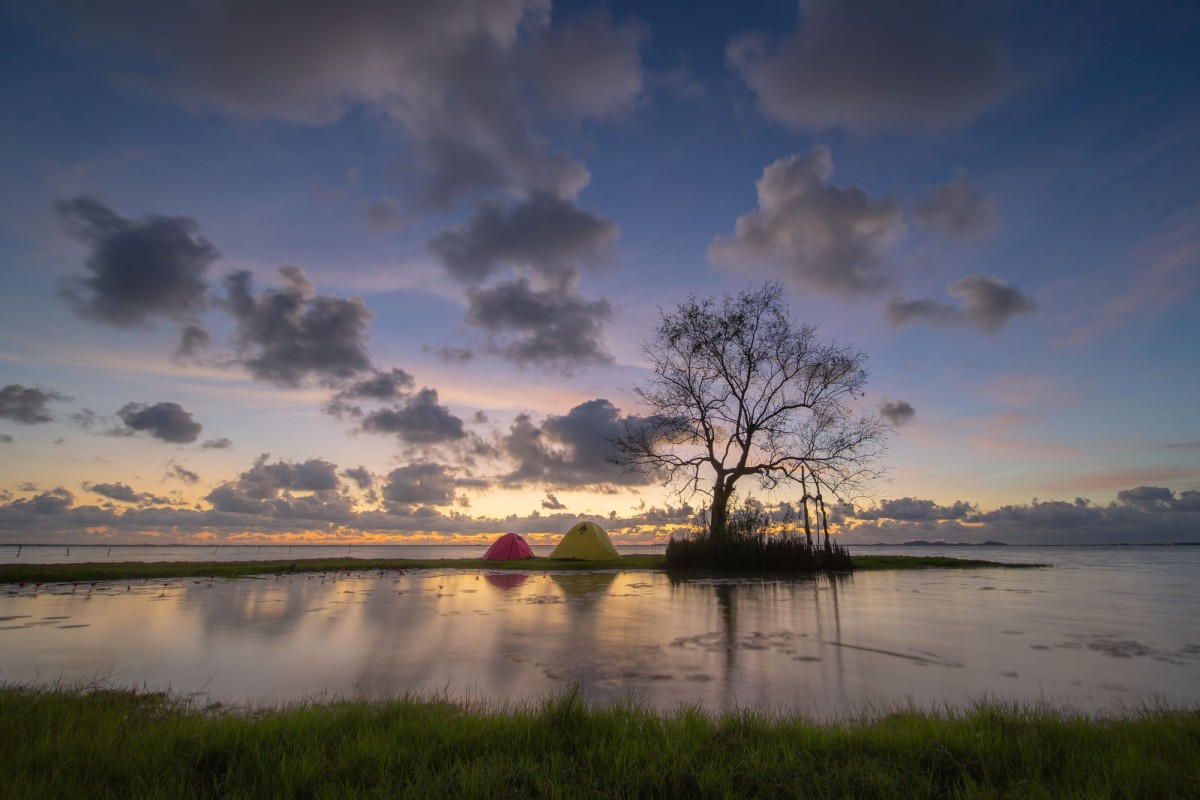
{"x": 587, "y": 541}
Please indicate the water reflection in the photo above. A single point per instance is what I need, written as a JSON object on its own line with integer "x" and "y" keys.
{"x": 821, "y": 646}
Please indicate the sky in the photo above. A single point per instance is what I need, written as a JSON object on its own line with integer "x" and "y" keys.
{"x": 382, "y": 271}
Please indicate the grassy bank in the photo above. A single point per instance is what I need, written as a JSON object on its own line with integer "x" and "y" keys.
{"x": 134, "y": 570}
{"x": 121, "y": 744}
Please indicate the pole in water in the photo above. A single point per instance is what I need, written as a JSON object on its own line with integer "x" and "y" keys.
{"x": 18, "y": 551}
{"x": 68, "y": 551}
{"x": 109, "y": 553}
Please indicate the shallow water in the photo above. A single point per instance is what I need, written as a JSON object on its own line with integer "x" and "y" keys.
{"x": 1107, "y": 627}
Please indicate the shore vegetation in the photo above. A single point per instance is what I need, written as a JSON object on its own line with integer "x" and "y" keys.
{"x": 115, "y": 743}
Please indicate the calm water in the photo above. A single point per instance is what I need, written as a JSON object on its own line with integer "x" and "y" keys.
{"x": 1104, "y": 628}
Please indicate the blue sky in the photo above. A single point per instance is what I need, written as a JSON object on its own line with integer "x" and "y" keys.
{"x": 370, "y": 270}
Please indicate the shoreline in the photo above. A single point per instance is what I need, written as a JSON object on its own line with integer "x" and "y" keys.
{"x": 37, "y": 574}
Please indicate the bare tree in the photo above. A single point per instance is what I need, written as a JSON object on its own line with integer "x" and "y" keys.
{"x": 741, "y": 390}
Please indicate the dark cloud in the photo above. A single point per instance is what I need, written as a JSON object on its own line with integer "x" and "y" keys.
{"x": 26, "y": 405}
{"x": 361, "y": 476}
{"x": 448, "y": 73}
{"x": 289, "y": 334}
{"x": 166, "y": 421}
{"x": 123, "y": 493}
{"x": 547, "y": 234}
{"x": 421, "y": 483}
{"x": 5, "y": 438}
{"x": 268, "y": 489}
{"x": 897, "y": 412}
{"x": 381, "y": 386}
{"x": 957, "y": 209}
{"x": 1158, "y": 498}
{"x": 383, "y": 215}
{"x": 183, "y": 473}
{"x": 85, "y": 419}
{"x": 821, "y": 236}
{"x": 552, "y": 503}
{"x": 216, "y": 444}
{"x": 193, "y": 340}
{"x": 554, "y": 327}
{"x": 987, "y": 302}
{"x": 52, "y": 503}
{"x": 911, "y": 508}
{"x": 872, "y": 65}
{"x": 569, "y": 450}
{"x": 450, "y": 355}
{"x": 138, "y": 270}
{"x": 588, "y": 67}
{"x": 419, "y": 420}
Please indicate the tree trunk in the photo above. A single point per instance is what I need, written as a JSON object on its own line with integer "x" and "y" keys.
{"x": 824, "y": 519}
{"x": 720, "y": 509}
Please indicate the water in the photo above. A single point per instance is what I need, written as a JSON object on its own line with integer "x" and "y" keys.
{"x": 1104, "y": 629}
{"x": 114, "y": 554}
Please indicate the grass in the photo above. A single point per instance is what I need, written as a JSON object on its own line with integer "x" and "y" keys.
{"x": 112, "y": 743}
{"x": 135, "y": 570}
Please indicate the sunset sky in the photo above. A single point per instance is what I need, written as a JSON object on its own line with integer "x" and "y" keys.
{"x": 367, "y": 270}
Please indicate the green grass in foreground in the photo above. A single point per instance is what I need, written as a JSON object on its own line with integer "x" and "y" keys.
{"x": 133, "y": 570}
{"x": 121, "y": 744}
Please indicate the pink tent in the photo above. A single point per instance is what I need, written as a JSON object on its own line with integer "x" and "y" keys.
{"x": 508, "y": 547}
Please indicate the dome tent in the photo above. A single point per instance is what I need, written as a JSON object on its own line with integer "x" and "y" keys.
{"x": 587, "y": 541}
{"x": 508, "y": 547}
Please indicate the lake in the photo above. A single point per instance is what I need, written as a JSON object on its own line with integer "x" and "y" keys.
{"x": 1105, "y": 628}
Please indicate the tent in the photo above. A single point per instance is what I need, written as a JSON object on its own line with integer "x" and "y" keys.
{"x": 508, "y": 547}
{"x": 587, "y": 541}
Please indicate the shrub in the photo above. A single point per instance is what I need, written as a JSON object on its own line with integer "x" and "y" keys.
{"x": 754, "y": 542}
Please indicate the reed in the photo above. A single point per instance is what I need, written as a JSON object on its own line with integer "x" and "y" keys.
{"x": 115, "y": 743}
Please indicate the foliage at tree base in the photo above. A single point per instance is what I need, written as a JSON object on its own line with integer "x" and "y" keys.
{"x": 784, "y": 552}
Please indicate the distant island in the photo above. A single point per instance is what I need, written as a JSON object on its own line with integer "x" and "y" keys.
{"x": 936, "y": 543}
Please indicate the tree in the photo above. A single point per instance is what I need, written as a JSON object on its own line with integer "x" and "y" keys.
{"x": 741, "y": 390}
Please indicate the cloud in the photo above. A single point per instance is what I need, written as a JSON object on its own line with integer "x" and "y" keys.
{"x": 28, "y": 406}
{"x": 193, "y": 339}
{"x": 381, "y": 386}
{"x": 123, "y": 493}
{"x": 168, "y": 422}
{"x": 420, "y": 420}
{"x": 361, "y": 476}
{"x": 822, "y": 237}
{"x": 383, "y": 215}
{"x": 52, "y": 503}
{"x": 569, "y": 450}
{"x": 455, "y": 356}
{"x": 552, "y": 503}
{"x": 268, "y": 489}
{"x": 289, "y": 334}
{"x": 1143, "y": 514}
{"x": 911, "y": 508}
{"x": 898, "y": 412}
{"x": 555, "y": 327}
{"x": 987, "y": 303}
{"x": 549, "y": 235}
{"x": 421, "y": 483}
{"x": 874, "y": 65}
{"x": 138, "y": 270}
{"x": 587, "y": 67}
{"x": 958, "y": 210}
{"x": 216, "y": 444}
{"x": 6, "y": 439}
{"x": 449, "y": 73}
{"x": 1157, "y": 498}
{"x": 183, "y": 473}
